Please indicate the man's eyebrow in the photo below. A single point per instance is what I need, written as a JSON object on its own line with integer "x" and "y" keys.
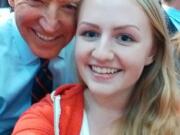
{"x": 75, "y": 3}
{"x": 70, "y": 1}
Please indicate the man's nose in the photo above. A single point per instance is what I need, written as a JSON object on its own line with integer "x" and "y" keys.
{"x": 50, "y": 20}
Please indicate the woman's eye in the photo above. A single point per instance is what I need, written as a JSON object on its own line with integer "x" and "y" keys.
{"x": 124, "y": 38}
{"x": 90, "y": 35}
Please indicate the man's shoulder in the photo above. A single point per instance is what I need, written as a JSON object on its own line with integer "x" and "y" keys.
{"x": 6, "y": 27}
{"x": 7, "y": 21}
{"x": 8, "y": 31}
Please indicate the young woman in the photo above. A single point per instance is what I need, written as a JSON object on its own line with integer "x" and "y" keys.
{"x": 125, "y": 64}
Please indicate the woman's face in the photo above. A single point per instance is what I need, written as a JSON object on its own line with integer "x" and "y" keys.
{"x": 114, "y": 44}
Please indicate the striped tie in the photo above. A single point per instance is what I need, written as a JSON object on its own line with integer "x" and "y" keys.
{"x": 43, "y": 82}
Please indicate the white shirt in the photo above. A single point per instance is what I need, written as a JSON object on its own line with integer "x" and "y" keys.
{"x": 57, "y": 115}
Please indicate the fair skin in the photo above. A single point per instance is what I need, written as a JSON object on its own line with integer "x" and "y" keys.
{"x": 46, "y": 25}
{"x": 112, "y": 49}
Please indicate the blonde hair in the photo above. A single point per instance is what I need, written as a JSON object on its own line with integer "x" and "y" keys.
{"x": 176, "y": 44}
{"x": 152, "y": 107}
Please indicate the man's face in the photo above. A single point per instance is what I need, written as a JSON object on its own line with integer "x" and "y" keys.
{"x": 46, "y": 25}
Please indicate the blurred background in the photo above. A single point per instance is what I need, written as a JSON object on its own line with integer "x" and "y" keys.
{"x": 4, "y": 8}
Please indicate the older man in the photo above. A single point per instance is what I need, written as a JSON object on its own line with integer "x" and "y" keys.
{"x": 35, "y": 32}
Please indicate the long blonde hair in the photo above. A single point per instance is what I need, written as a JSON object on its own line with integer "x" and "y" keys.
{"x": 152, "y": 107}
{"x": 176, "y": 45}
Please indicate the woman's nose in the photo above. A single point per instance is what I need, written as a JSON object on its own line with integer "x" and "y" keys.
{"x": 103, "y": 51}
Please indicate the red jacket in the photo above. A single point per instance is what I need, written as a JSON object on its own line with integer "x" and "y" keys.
{"x": 39, "y": 119}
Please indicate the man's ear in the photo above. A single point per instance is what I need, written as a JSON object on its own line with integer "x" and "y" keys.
{"x": 11, "y": 3}
{"x": 150, "y": 57}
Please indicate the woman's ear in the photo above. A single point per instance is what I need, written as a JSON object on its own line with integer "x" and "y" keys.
{"x": 150, "y": 57}
{"x": 11, "y": 3}
{"x": 149, "y": 60}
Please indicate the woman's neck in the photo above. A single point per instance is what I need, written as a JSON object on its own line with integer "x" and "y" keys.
{"x": 104, "y": 112}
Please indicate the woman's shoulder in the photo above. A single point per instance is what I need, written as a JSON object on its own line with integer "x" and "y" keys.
{"x": 37, "y": 119}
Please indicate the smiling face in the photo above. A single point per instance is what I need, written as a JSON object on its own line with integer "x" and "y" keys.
{"x": 113, "y": 45}
{"x": 46, "y": 25}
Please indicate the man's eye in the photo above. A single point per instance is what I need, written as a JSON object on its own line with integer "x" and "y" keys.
{"x": 71, "y": 6}
{"x": 90, "y": 35}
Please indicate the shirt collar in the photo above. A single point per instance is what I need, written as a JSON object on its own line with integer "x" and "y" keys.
{"x": 69, "y": 48}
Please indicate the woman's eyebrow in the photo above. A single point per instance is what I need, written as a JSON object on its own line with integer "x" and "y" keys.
{"x": 126, "y": 26}
{"x": 88, "y": 23}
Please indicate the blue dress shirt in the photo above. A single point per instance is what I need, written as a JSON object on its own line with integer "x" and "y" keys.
{"x": 18, "y": 66}
{"x": 174, "y": 15}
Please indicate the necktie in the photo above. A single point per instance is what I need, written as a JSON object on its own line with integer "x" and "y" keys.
{"x": 43, "y": 82}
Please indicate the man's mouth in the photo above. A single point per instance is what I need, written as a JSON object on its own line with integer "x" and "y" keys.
{"x": 45, "y": 37}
